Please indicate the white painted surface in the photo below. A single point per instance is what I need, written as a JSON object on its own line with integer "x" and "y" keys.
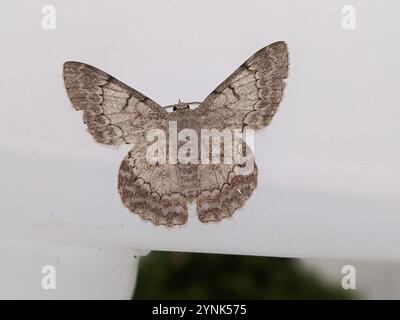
{"x": 329, "y": 177}
{"x": 43, "y": 270}
{"x": 372, "y": 279}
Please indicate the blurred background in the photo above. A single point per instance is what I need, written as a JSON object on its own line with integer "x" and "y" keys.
{"x": 173, "y": 275}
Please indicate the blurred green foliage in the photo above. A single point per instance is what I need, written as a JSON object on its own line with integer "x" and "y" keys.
{"x": 171, "y": 275}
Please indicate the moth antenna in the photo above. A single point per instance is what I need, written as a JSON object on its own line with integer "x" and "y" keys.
{"x": 185, "y": 103}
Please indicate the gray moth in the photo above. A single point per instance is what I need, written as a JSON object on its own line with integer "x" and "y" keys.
{"x": 118, "y": 114}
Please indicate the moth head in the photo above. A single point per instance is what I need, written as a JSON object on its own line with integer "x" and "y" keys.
{"x": 180, "y": 106}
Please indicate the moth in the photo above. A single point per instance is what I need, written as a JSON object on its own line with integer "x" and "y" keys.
{"x": 118, "y": 114}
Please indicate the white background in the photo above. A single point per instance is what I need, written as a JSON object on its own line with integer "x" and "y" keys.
{"x": 328, "y": 164}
